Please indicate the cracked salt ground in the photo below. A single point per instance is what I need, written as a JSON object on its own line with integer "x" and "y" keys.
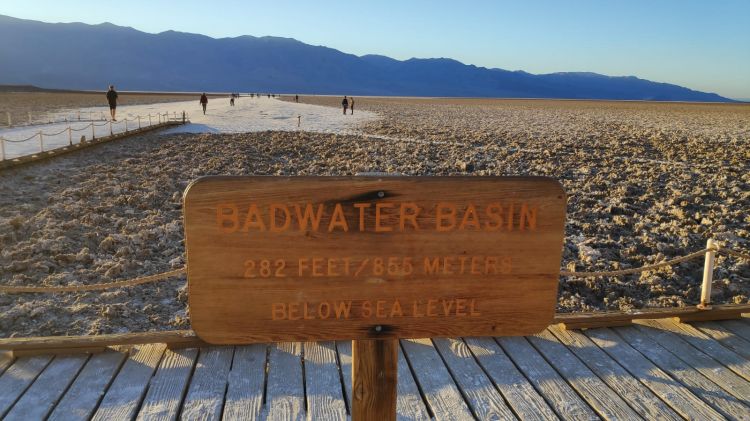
{"x": 114, "y": 212}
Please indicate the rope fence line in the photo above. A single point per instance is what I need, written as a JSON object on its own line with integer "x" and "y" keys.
{"x": 708, "y": 251}
{"x": 162, "y": 118}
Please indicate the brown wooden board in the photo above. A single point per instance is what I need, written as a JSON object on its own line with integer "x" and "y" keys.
{"x": 321, "y": 258}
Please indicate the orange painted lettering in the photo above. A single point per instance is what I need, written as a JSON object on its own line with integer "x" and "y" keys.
{"x": 494, "y": 212}
{"x": 445, "y": 212}
{"x": 410, "y": 216}
{"x": 362, "y": 207}
{"x": 253, "y": 219}
{"x": 278, "y": 311}
{"x": 470, "y": 218}
{"x": 338, "y": 219}
{"x": 343, "y": 309}
{"x": 286, "y": 218}
{"x": 396, "y": 309}
{"x": 308, "y": 217}
{"x": 528, "y": 217}
{"x": 380, "y": 217}
{"x": 222, "y": 217}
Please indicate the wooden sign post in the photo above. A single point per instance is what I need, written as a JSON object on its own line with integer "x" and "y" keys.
{"x": 372, "y": 259}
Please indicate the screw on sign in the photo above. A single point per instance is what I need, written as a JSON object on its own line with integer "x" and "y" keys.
{"x": 372, "y": 259}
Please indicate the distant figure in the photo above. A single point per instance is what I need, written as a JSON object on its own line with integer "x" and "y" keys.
{"x": 269, "y": 96}
{"x": 112, "y": 99}
{"x": 231, "y": 101}
{"x": 345, "y": 104}
{"x": 296, "y": 98}
{"x": 204, "y": 102}
{"x": 351, "y": 105}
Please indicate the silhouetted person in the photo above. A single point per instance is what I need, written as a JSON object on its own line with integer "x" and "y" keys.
{"x": 345, "y": 104}
{"x": 112, "y": 99}
{"x": 351, "y": 105}
{"x": 296, "y": 98}
{"x": 204, "y": 102}
{"x": 231, "y": 101}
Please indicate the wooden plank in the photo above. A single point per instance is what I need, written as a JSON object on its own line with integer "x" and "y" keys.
{"x": 409, "y": 403}
{"x": 739, "y": 328}
{"x": 545, "y": 379}
{"x": 6, "y": 359}
{"x": 96, "y": 341}
{"x": 696, "y": 358}
{"x": 435, "y": 381}
{"x": 708, "y": 346}
{"x": 83, "y": 396}
{"x": 47, "y": 389}
{"x": 325, "y": 399}
{"x": 525, "y": 401}
{"x": 638, "y": 396}
{"x": 374, "y": 379}
{"x": 601, "y": 398}
{"x": 726, "y": 337}
{"x": 162, "y": 402}
{"x": 675, "y": 394}
{"x": 285, "y": 392}
{"x": 481, "y": 395}
{"x": 127, "y": 390}
{"x": 58, "y": 351}
{"x": 323, "y": 247}
{"x": 17, "y": 378}
{"x": 205, "y": 396}
{"x": 708, "y": 391}
{"x": 244, "y": 400}
{"x": 344, "y": 349}
{"x": 596, "y": 319}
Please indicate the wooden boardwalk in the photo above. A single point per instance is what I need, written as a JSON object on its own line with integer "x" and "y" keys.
{"x": 651, "y": 370}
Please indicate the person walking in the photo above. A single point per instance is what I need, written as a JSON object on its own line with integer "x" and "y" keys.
{"x": 204, "y": 102}
{"x": 345, "y": 104}
{"x": 112, "y": 99}
{"x": 231, "y": 101}
{"x": 296, "y": 98}
{"x": 351, "y": 105}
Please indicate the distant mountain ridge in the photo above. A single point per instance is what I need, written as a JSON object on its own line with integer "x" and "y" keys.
{"x": 82, "y": 56}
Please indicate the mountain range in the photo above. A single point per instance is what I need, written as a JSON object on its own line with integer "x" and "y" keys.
{"x": 82, "y": 56}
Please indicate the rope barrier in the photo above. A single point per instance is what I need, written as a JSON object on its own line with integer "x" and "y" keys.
{"x": 734, "y": 253}
{"x": 81, "y": 129}
{"x": 672, "y": 262}
{"x": 173, "y": 273}
{"x": 94, "y": 287}
{"x": 22, "y": 140}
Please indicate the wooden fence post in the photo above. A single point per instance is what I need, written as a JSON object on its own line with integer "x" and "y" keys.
{"x": 126, "y": 124}
{"x": 111, "y": 133}
{"x": 30, "y": 118}
{"x": 70, "y": 136}
{"x": 10, "y": 122}
{"x": 93, "y": 132}
{"x": 149, "y": 119}
{"x": 708, "y": 276}
{"x": 41, "y": 141}
{"x": 374, "y": 379}
{"x": 139, "y": 122}
{"x": 2, "y": 149}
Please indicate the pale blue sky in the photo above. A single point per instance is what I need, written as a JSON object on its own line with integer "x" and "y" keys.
{"x": 701, "y": 44}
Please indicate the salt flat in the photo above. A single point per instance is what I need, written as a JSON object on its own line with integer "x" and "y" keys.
{"x": 248, "y": 115}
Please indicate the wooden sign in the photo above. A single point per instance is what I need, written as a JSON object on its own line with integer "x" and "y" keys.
{"x": 323, "y": 258}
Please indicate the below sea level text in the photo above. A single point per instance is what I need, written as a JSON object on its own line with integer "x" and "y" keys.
{"x": 375, "y": 309}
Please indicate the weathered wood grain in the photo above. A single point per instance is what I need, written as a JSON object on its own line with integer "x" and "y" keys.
{"x": 720, "y": 332}
{"x": 325, "y": 399}
{"x": 545, "y": 379}
{"x": 18, "y": 377}
{"x": 638, "y": 396}
{"x": 409, "y": 403}
{"x": 471, "y": 240}
{"x": 484, "y": 399}
{"x": 374, "y": 379}
{"x": 702, "y": 362}
{"x": 435, "y": 381}
{"x": 526, "y": 402}
{"x": 708, "y": 346}
{"x": 675, "y": 394}
{"x": 124, "y": 396}
{"x": 591, "y": 388}
{"x": 702, "y": 387}
{"x": 244, "y": 399}
{"x": 285, "y": 391}
{"x": 82, "y": 397}
{"x": 205, "y": 396}
{"x": 164, "y": 397}
{"x": 39, "y": 399}
{"x": 739, "y": 327}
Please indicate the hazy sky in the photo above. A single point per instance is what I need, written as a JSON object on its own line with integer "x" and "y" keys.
{"x": 700, "y": 44}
